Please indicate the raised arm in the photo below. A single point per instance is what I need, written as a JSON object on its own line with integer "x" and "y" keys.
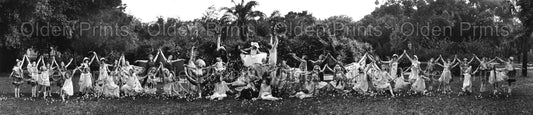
{"x": 54, "y": 62}
{"x": 296, "y": 57}
{"x": 471, "y": 60}
{"x": 363, "y": 59}
{"x": 69, "y": 62}
{"x": 407, "y": 55}
{"x": 477, "y": 58}
{"x": 500, "y": 59}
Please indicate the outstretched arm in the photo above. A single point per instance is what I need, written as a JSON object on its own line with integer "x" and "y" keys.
{"x": 54, "y": 62}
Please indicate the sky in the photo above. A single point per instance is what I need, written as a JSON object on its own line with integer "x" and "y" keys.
{"x": 149, "y": 10}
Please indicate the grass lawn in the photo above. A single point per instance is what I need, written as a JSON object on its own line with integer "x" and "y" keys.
{"x": 521, "y": 102}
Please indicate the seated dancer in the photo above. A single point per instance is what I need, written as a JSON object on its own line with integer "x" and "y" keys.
{"x": 381, "y": 79}
{"x": 151, "y": 80}
{"x": 111, "y": 89}
{"x": 339, "y": 81}
{"x": 446, "y": 75}
{"x": 168, "y": 80}
{"x": 243, "y": 83}
{"x": 265, "y": 93}
{"x": 133, "y": 85}
{"x": 221, "y": 87}
{"x": 17, "y": 76}
{"x": 283, "y": 76}
{"x": 361, "y": 81}
{"x": 311, "y": 84}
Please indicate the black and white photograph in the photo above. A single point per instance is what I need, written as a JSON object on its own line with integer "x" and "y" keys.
{"x": 273, "y": 57}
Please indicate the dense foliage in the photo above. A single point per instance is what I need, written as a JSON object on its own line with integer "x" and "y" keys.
{"x": 138, "y": 39}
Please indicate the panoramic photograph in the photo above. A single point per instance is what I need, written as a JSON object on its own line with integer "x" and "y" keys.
{"x": 279, "y": 57}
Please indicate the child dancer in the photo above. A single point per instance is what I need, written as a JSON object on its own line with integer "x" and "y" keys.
{"x": 17, "y": 76}
{"x": 68, "y": 89}
{"x": 34, "y": 74}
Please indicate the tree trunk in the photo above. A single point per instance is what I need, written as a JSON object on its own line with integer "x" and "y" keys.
{"x": 525, "y": 50}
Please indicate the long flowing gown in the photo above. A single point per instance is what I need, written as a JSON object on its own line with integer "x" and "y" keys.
{"x": 467, "y": 82}
{"x": 85, "y": 81}
{"x": 361, "y": 83}
{"x": 446, "y": 75}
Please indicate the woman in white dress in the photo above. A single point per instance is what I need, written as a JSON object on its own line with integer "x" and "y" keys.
{"x": 467, "y": 82}
{"x": 446, "y": 75}
{"x": 85, "y": 82}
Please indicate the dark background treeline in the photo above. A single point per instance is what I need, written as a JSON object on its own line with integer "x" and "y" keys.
{"x": 511, "y": 17}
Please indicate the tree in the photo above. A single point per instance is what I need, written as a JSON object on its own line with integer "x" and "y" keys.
{"x": 525, "y": 14}
{"x": 244, "y": 12}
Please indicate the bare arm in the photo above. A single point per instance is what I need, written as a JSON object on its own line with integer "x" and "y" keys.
{"x": 296, "y": 57}
{"x": 69, "y": 62}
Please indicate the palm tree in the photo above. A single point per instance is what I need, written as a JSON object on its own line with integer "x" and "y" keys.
{"x": 243, "y": 12}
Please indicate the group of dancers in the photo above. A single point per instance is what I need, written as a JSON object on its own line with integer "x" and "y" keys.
{"x": 268, "y": 80}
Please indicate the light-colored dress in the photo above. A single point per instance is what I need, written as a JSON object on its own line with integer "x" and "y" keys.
{"x": 361, "y": 83}
{"x": 446, "y": 75}
{"x": 415, "y": 70}
{"x": 467, "y": 82}
{"x": 394, "y": 70}
{"x": 45, "y": 78}
{"x": 266, "y": 93}
{"x": 419, "y": 85}
{"x": 85, "y": 82}
{"x": 68, "y": 87}
{"x": 220, "y": 91}
{"x": 380, "y": 80}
